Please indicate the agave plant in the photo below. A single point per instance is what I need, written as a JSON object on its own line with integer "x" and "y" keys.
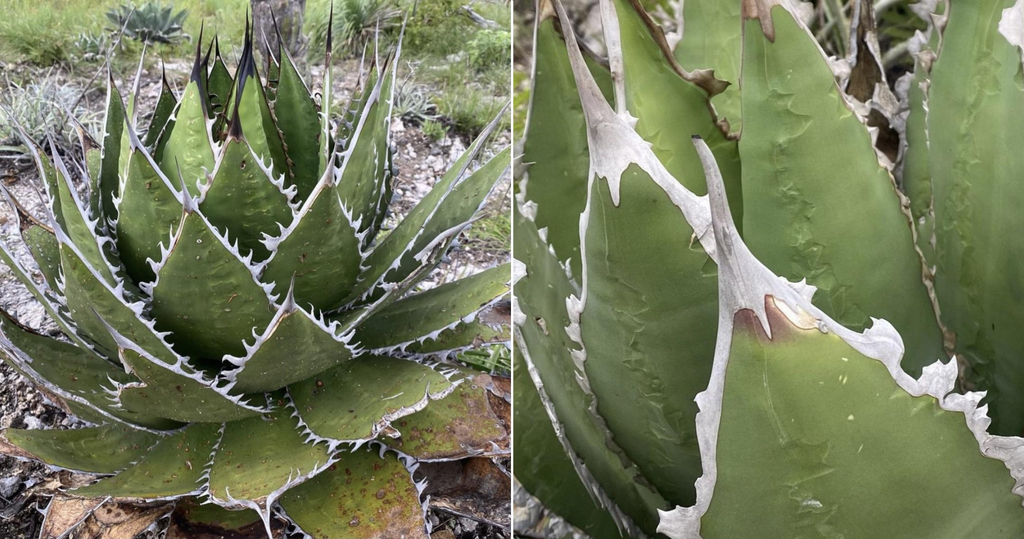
{"x": 150, "y": 23}
{"x": 238, "y": 329}
{"x": 760, "y": 334}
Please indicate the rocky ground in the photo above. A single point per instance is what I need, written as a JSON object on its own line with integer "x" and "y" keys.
{"x": 421, "y": 163}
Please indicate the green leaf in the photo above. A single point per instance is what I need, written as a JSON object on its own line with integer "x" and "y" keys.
{"x": 149, "y": 211}
{"x": 253, "y": 112}
{"x": 39, "y": 239}
{"x": 299, "y": 123}
{"x": 312, "y": 345}
{"x": 110, "y": 171}
{"x": 320, "y": 250}
{"x": 47, "y": 174}
{"x": 161, "y": 124}
{"x": 542, "y": 466}
{"x": 364, "y": 169}
{"x": 712, "y": 39}
{"x": 326, "y": 101}
{"x": 427, "y": 314}
{"x": 205, "y": 294}
{"x": 916, "y": 176}
{"x": 105, "y": 450}
{"x": 800, "y": 220}
{"x": 175, "y": 391}
{"x": 976, "y": 120}
{"x": 540, "y": 336}
{"x": 818, "y": 446}
{"x": 356, "y": 400}
{"x": 814, "y": 421}
{"x": 555, "y": 145}
{"x": 171, "y": 469}
{"x": 76, "y": 374}
{"x": 91, "y": 302}
{"x": 260, "y": 458}
{"x": 471, "y": 421}
{"x": 639, "y": 369}
{"x": 444, "y": 212}
{"x": 244, "y": 202}
{"x": 386, "y": 504}
{"x": 45, "y": 251}
{"x": 188, "y": 147}
{"x": 219, "y": 84}
{"x": 80, "y": 230}
{"x": 671, "y": 104}
{"x": 462, "y": 337}
{"x": 50, "y": 305}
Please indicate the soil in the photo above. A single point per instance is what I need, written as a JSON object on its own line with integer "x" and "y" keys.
{"x": 420, "y": 161}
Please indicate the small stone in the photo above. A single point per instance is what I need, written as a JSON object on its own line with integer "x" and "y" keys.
{"x": 9, "y": 486}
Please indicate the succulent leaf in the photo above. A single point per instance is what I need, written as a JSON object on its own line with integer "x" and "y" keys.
{"x": 81, "y": 232}
{"x": 45, "y": 251}
{"x": 189, "y": 149}
{"x": 427, "y": 314}
{"x": 671, "y": 104}
{"x": 540, "y": 335}
{"x": 778, "y": 359}
{"x": 161, "y": 124}
{"x": 975, "y": 118}
{"x": 386, "y": 505}
{"x": 75, "y": 373}
{"x": 102, "y": 450}
{"x": 709, "y": 36}
{"x": 171, "y": 469}
{"x": 355, "y": 401}
{"x": 211, "y": 306}
{"x": 109, "y": 179}
{"x": 320, "y": 250}
{"x": 244, "y": 201}
{"x": 462, "y": 337}
{"x": 626, "y": 316}
{"x": 443, "y": 213}
{"x": 366, "y": 164}
{"x": 92, "y": 303}
{"x": 148, "y": 213}
{"x": 177, "y": 392}
{"x": 799, "y": 220}
{"x": 555, "y": 154}
{"x": 299, "y": 123}
{"x": 470, "y": 422}
{"x": 218, "y": 86}
{"x": 313, "y": 345}
{"x": 545, "y": 470}
{"x": 260, "y": 458}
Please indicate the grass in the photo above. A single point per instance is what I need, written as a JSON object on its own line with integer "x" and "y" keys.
{"x": 434, "y": 130}
{"x": 44, "y": 32}
{"x": 493, "y": 233}
{"x": 467, "y": 98}
{"x": 470, "y": 74}
{"x": 39, "y": 105}
{"x": 494, "y": 359}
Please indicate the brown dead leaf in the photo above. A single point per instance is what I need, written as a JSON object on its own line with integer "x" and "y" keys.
{"x": 99, "y": 518}
{"x": 66, "y": 513}
{"x": 476, "y": 488}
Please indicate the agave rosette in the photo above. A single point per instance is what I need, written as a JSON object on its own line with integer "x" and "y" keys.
{"x": 238, "y": 327}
